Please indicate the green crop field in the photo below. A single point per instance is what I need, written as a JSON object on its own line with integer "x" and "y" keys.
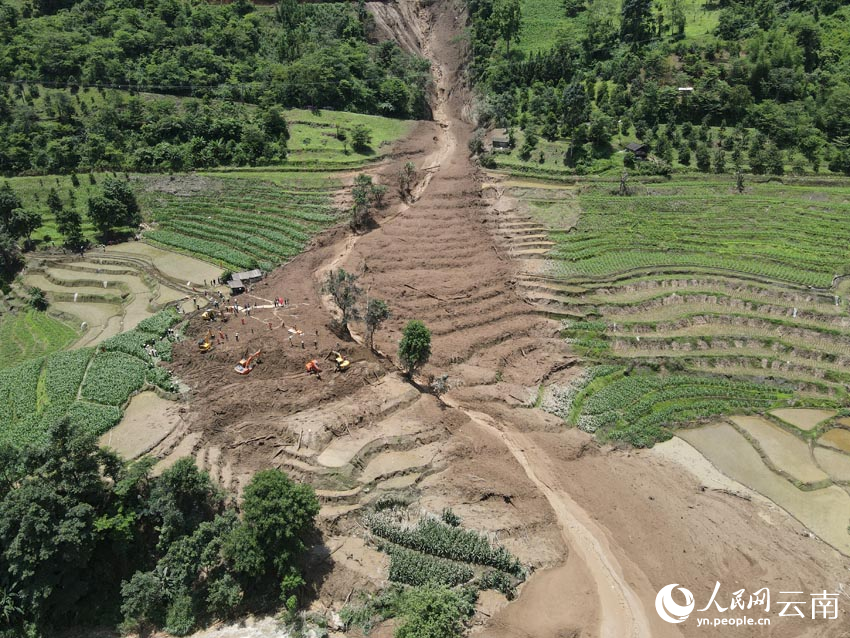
{"x": 799, "y": 236}
{"x": 88, "y": 385}
{"x": 694, "y": 300}
{"x": 240, "y": 223}
{"x": 29, "y": 334}
{"x": 320, "y": 142}
{"x": 437, "y": 552}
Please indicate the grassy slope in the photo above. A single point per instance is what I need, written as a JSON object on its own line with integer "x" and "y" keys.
{"x": 544, "y": 20}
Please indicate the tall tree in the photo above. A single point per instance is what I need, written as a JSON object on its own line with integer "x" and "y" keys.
{"x": 116, "y": 207}
{"x": 342, "y": 287}
{"x": 507, "y": 18}
{"x": 636, "y": 16}
{"x": 377, "y": 312}
{"x": 9, "y": 202}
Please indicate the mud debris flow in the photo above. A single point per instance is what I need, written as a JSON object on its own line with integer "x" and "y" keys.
{"x": 577, "y": 513}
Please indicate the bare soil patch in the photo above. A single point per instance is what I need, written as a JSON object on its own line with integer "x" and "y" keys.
{"x": 147, "y": 420}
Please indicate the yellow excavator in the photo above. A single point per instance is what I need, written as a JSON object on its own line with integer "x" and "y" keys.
{"x": 205, "y": 344}
{"x": 342, "y": 364}
{"x": 247, "y": 364}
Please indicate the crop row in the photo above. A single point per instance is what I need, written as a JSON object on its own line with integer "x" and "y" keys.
{"x": 271, "y": 242}
{"x": 415, "y": 568}
{"x": 625, "y": 260}
{"x": 112, "y": 377}
{"x": 641, "y": 408}
{"x": 230, "y": 257}
{"x": 36, "y": 394}
{"x": 453, "y": 543}
{"x": 312, "y": 213}
{"x": 628, "y": 391}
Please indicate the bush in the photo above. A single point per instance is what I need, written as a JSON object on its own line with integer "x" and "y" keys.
{"x": 434, "y": 612}
{"x": 37, "y": 300}
{"x": 143, "y": 603}
{"x": 180, "y": 619}
{"x": 361, "y": 137}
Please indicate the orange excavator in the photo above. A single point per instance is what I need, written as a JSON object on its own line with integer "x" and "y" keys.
{"x": 312, "y": 367}
{"x": 246, "y": 365}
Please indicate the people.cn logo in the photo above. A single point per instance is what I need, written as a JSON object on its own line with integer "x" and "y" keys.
{"x": 668, "y": 609}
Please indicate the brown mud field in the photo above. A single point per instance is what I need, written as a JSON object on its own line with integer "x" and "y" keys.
{"x": 603, "y": 529}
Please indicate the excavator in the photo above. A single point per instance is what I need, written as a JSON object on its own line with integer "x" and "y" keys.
{"x": 312, "y": 367}
{"x": 342, "y": 364}
{"x": 246, "y": 365}
{"x": 212, "y": 315}
{"x": 205, "y": 344}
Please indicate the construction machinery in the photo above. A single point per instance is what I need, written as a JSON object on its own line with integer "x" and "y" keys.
{"x": 209, "y": 315}
{"x": 342, "y": 364}
{"x": 205, "y": 344}
{"x": 312, "y": 367}
{"x": 247, "y": 364}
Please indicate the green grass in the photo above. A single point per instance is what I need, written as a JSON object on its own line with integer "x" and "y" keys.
{"x": 313, "y": 137}
{"x": 544, "y": 22}
{"x": 33, "y": 192}
{"x": 30, "y": 334}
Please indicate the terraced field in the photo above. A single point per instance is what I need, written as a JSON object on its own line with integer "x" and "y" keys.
{"x": 690, "y": 277}
{"x": 29, "y": 334}
{"x": 240, "y": 222}
{"x": 109, "y": 291}
{"x": 799, "y": 467}
{"x": 89, "y": 385}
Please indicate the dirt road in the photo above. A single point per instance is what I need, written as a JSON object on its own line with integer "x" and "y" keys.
{"x": 621, "y": 611}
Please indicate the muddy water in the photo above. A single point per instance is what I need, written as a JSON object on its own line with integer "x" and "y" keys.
{"x": 784, "y": 450}
{"x": 837, "y": 438}
{"x": 825, "y": 512}
{"x": 803, "y": 418}
{"x": 836, "y": 464}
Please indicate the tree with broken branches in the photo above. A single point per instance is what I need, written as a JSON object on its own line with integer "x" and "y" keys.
{"x": 366, "y": 195}
{"x": 406, "y": 178}
{"x": 343, "y": 289}
{"x": 377, "y": 312}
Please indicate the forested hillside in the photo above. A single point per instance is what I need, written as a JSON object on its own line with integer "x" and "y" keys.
{"x": 217, "y": 61}
{"x": 726, "y": 85}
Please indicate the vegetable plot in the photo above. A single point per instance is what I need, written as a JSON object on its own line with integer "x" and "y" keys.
{"x": 87, "y": 385}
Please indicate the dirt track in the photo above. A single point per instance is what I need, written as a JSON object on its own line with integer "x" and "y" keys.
{"x": 605, "y": 529}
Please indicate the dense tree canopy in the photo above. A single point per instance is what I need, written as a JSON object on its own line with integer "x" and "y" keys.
{"x": 782, "y": 68}
{"x": 220, "y": 57}
{"x": 86, "y": 538}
